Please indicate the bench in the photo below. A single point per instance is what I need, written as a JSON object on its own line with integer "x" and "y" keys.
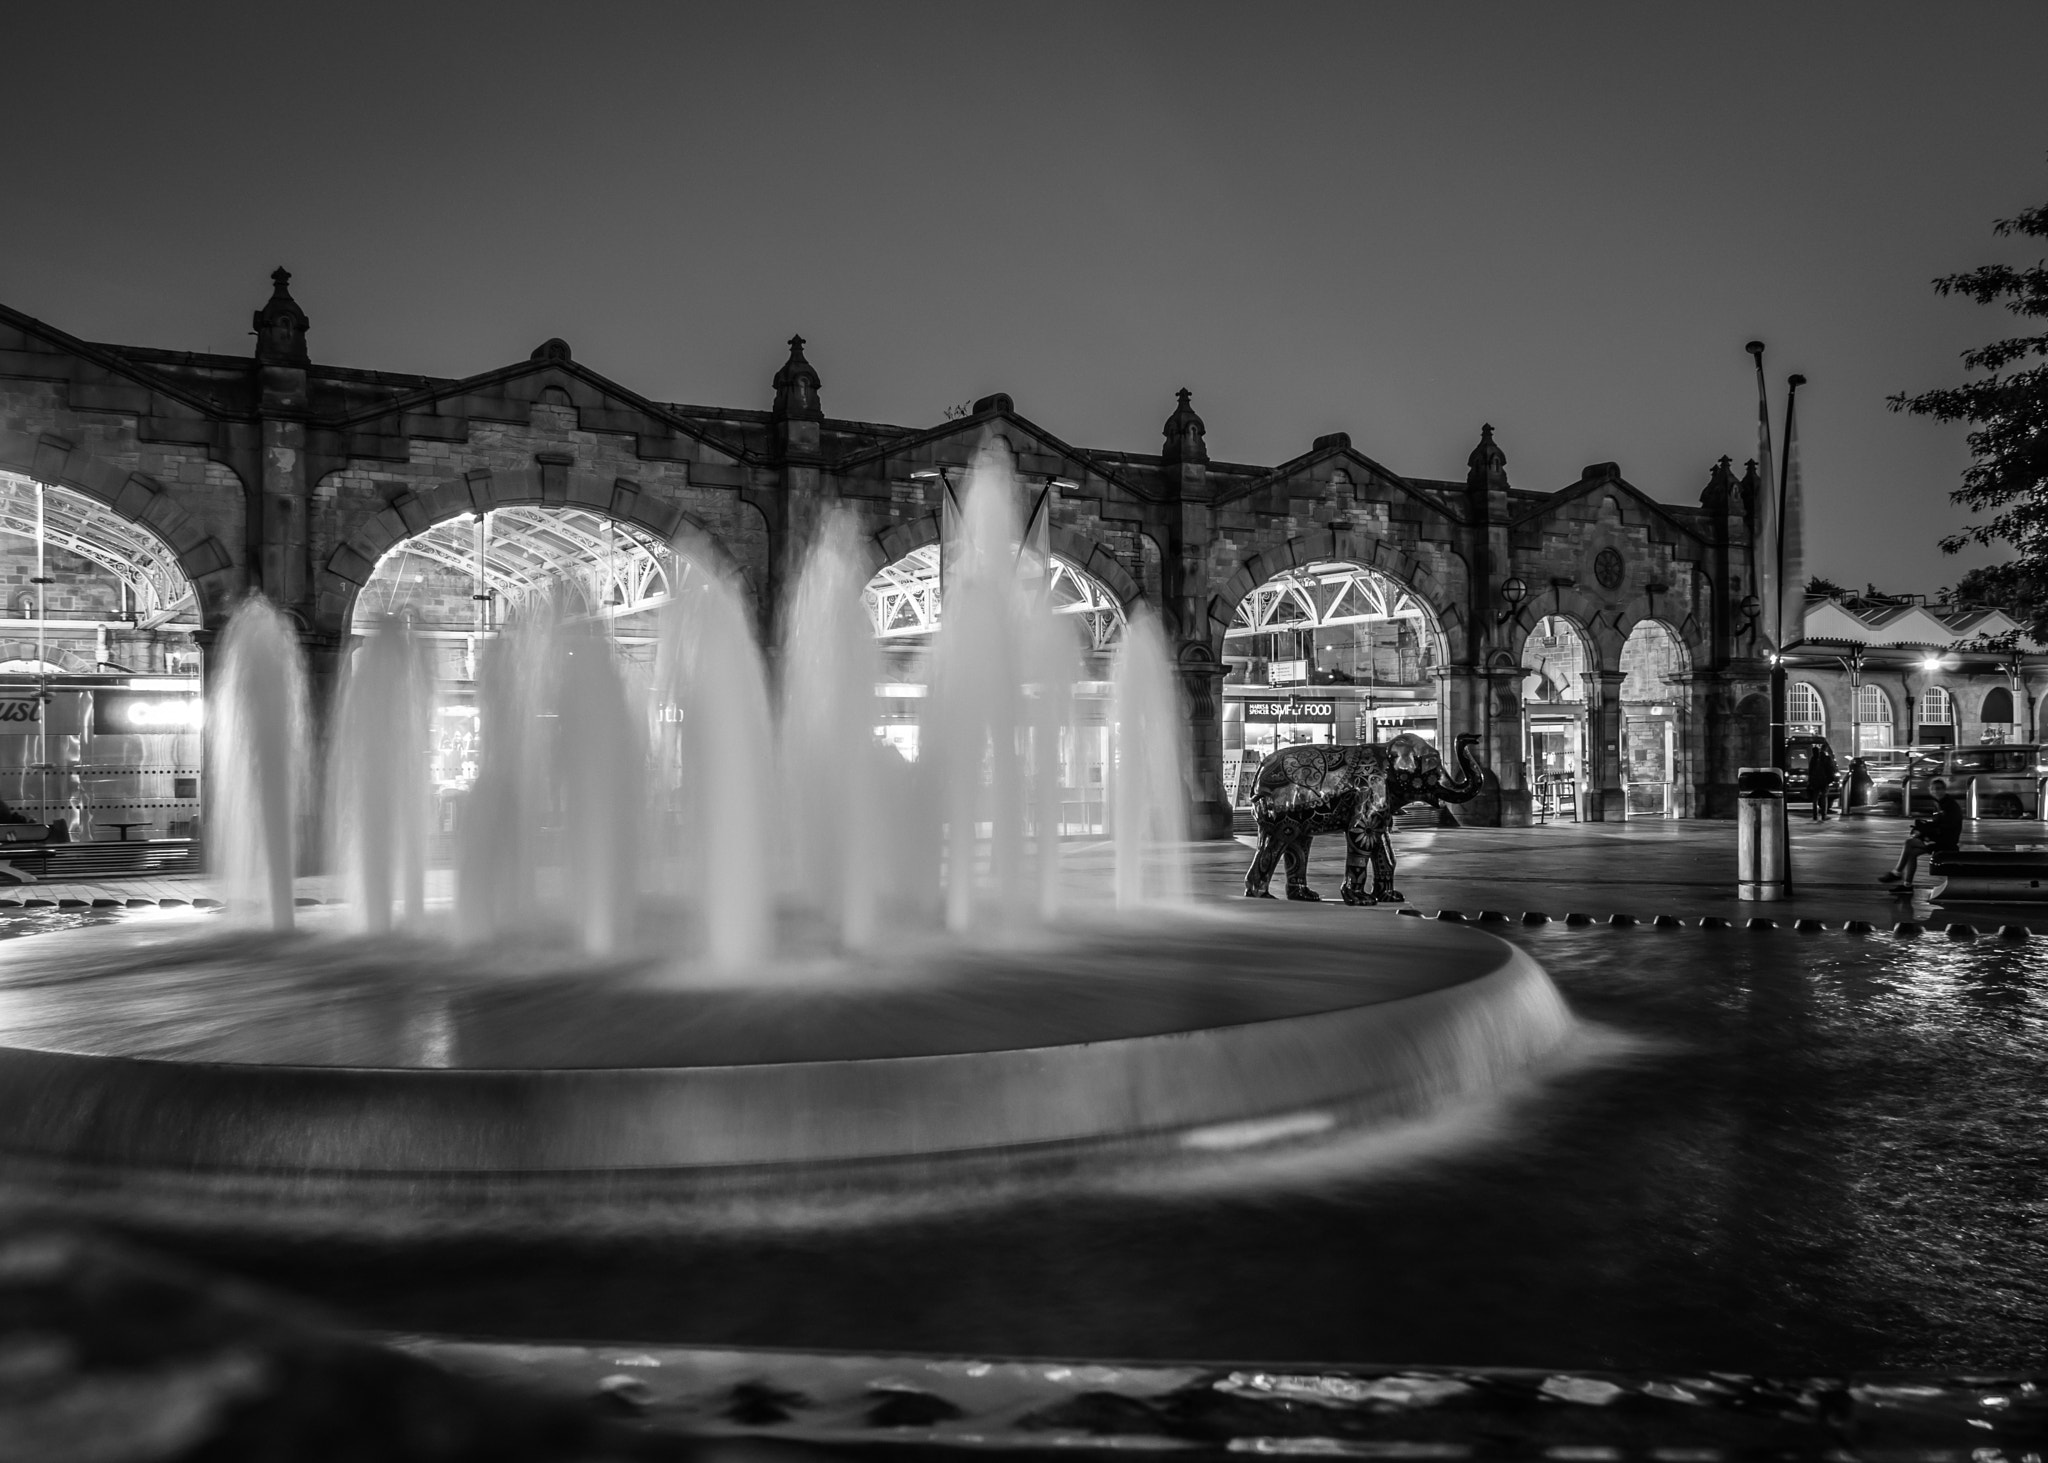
{"x": 1992, "y": 876}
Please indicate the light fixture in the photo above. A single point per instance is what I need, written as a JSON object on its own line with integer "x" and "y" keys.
{"x": 1513, "y": 590}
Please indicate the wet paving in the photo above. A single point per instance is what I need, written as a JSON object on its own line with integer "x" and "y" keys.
{"x": 1818, "y": 1153}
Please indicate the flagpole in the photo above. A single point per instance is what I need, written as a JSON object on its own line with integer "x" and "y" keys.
{"x": 1770, "y": 563}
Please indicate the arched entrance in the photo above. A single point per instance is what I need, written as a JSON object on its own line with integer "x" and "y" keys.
{"x": 1327, "y": 652}
{"x": 904, "y": 604}
{"x": 1656, "y": 705}
{"x": 1555, "y": 719}
{"x": 459, "y": 582}
{"x": 100, "y": 708}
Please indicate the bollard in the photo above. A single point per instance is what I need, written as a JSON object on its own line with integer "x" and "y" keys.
{"x": 1760, "y": 833}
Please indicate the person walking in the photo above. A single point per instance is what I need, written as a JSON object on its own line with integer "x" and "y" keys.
{"x": 1938, "y": 834}
{"x": 1820, "y": 779}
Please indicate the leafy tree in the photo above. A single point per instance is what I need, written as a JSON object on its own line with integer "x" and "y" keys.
{"x": 1821, "y": 585}
{"x": 2009, "y": 477}
{"x": 2012, "y": 587}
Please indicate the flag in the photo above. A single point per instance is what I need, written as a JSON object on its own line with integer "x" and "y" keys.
{"x": 1764, "y": 545}
{"x": 1791, "y": 539}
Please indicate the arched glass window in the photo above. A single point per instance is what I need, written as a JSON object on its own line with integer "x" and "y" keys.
{"x": 1874, "y": 718}
{"x": 1937, "y": 708}
{"x": 1804, "y": 714}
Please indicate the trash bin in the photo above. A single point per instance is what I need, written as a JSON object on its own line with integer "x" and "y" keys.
{"x": 1760, "y": 833}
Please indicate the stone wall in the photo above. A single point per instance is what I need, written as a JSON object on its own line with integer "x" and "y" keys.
{"x": 278, "y": 474}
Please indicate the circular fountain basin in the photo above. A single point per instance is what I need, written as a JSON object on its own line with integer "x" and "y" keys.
{"x": 316, "y": 1055}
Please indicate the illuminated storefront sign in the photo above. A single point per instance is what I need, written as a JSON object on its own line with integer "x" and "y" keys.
{"x": 1290, "y": 710}
{"x": 146, "y": 712}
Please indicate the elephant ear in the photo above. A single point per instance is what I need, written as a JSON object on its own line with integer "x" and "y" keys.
{"x": 1407, "y": 750}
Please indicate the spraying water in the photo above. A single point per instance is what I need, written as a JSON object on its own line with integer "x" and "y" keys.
{"x": 258, "y": 759}
{"x": 977, "y": 703}
{"x": 829, "y": 669}
{"x": 711, "y": 680}
{"x": 556, "y": 827}
{"x": 381, "y": 797}
{"x": 1148, "y": 807}
{"x": 600, "y": 765}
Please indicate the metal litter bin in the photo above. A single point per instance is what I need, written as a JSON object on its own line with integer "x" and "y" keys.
{"x": 1760, "y": 871}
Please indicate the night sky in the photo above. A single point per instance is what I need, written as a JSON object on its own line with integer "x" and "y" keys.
{"x": 1393, "y": 220}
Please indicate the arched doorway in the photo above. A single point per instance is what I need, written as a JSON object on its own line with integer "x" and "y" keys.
{"x": 458, "y": 583}
{"x": 100, "y": 707}
{"x": 1656, "y": 702}
{"x": 1327, "y": 652}
{"x": 904, "y": 603}
{"x": 1555, "y": 727}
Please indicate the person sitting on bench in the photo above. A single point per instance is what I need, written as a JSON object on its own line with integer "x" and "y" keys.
{"x": 1939, "y": 834}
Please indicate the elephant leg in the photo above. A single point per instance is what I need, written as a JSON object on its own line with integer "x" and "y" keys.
{"x": 1357, "y": 856}
{"x": 1297, "y": 868}
{"x": 1259, "y": 876}
{"x": 1383, "y": 866}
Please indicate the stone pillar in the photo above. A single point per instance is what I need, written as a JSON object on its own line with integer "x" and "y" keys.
{"x": 795, "y": 426}
{"x": 1606, "y": 800}
{"x": 1209, "y": 813}
{"x": 1465, "y": 704}
{"x": 1503, "y": 747}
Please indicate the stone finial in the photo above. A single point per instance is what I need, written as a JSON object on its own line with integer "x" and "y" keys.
{"x": 1749, "y": 487}
{"x": 1487, "y": 467}
{"x": 1720, "y": 484}
{"x": 281, "y": 326}
{"x": 1184, "y": 434}
{"x": 554, "y": 348}
{"x": 796, "y": 387}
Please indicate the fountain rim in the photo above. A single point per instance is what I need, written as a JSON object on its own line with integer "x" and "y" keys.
{"x": 1401, "y": 1055}
{"x": 10, "y": 1048}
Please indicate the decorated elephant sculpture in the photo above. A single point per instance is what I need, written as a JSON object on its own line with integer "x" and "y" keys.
{"x": 1355, "y": 791}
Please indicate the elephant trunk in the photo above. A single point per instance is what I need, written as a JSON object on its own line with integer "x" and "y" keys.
{"x": 1474, "y": 778}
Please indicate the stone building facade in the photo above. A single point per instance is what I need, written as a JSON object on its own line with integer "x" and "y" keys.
{"x": 272, "y": 473}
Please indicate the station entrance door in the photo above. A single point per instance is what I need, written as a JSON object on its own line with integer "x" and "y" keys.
{"x": 1556, "y": 756}
{"x": 1646, "y": 762}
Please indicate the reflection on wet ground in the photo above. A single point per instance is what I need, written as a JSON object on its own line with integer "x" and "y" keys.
{"x": 1821, "y": 1153}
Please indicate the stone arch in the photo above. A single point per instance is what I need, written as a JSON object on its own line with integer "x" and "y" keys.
{"x": 136, "y": 497}
{"x": 1591, "y": 664}
{"x": 1690, "y": 634}
{"x": 900, "y": 540}
{"x": 547, "y": 485}
{"x": 1343, "y": 546}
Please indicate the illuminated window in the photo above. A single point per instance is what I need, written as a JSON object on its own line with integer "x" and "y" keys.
{"x": 1804, "y": 714}
{"x": 1937, "y": 708}
{"x": 1874, "y": 715}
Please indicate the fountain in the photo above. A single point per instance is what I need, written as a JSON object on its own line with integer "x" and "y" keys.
{"x": 700, "y": 932}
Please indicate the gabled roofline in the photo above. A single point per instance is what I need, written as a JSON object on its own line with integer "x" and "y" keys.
{"x": 108, "y": 359}
{"x": 1294, "y": 466}
{"x": 1585, "y": 486}
{"x": 982, "y": 421}
{"x": 441, "y": 390}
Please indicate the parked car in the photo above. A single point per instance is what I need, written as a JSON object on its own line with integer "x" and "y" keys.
{"x": 1999, "y": 780}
